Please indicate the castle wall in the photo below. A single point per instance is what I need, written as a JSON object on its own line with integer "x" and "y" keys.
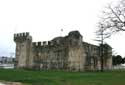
{"x": 76, "y": 59}
{"x": 107, "y": 57}
{"x": 92, "y": 56}
{"x": 61, "y": 53}
{"x": 49, "y": 57}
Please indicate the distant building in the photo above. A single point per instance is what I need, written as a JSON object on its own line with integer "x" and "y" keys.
{"x": 62, "y": 53}
{"x": 7, "y": 60}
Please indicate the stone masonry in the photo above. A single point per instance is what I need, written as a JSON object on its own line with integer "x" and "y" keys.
{"x": 61, "y": 53}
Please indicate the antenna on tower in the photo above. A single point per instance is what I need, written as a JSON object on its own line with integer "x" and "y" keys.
{"x": 61, "y": 32}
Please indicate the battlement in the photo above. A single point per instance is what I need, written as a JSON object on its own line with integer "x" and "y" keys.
{"x": 22, "y": 36}
{"x": 44, "y": 43}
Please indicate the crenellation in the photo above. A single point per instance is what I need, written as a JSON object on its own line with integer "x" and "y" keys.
{"x": 21, "y": 37}
{"x": 33, "y": 43}
{"x": 23, "y": 33}
{"x": 44, "y": 42}
{"x": 36, "y": 43}
{"x": 49, "y": 43}
{"x": 68, "y": 53}
{"x": 18, "y": 35}
{"x": 39, "y": 44}
{"x": 15, "y": 35}
{"x": 27, "y": 33}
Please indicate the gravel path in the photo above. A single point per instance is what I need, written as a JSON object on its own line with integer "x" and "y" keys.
{"x": 11, "y": 83}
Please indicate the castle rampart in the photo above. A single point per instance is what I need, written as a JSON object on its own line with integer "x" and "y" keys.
{"x": 61, "y": 53}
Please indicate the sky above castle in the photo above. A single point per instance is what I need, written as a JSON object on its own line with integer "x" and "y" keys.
{"x": 44, "y": 19}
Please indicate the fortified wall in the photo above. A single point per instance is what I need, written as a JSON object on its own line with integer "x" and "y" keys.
{"x": 61, "y": 53}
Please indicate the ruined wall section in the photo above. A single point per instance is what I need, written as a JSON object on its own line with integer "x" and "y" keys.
{"x": 76, "y": 54}
{"x": 65, "y": 53}
{"x": 23, "y": 49}
{"x": 107, "y": 57}
{"x": 92, "y": 56}
{"x": 50, "y": 55}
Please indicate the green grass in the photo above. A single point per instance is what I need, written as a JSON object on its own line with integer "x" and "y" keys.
{"x": 63, "y": 78}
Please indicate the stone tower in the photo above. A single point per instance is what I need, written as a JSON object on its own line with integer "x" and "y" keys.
{"x": 23, "y": 50}
{"x": 76, "y": 53}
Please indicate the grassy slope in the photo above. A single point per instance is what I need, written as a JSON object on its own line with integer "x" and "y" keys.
{"x": 64, "y": 78}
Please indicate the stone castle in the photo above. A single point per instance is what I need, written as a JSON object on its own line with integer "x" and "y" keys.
{"x": 62, "y": 53}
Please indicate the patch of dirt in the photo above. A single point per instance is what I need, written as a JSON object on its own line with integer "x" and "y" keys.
{"x": 13, "y": 83}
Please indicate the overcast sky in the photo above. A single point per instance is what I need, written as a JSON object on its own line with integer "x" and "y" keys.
{"x": 44, "y": 19}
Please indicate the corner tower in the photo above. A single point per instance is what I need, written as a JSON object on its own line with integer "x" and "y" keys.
{"x": 76, "y": 52}
{"x": 23, "y": 50}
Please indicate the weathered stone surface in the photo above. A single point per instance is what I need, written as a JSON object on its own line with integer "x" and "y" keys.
{"x": 61, "y": 53}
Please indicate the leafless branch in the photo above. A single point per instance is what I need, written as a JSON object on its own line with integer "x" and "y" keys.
{"x": 115, "y": 14}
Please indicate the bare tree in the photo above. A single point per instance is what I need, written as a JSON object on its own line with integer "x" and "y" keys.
{"x": 112, "y": 21}
{"x": 102, "y": 34}
{"x": 113, "y": 17}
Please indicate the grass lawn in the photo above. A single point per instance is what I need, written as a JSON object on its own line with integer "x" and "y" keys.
{"x": 63, "y": 78}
